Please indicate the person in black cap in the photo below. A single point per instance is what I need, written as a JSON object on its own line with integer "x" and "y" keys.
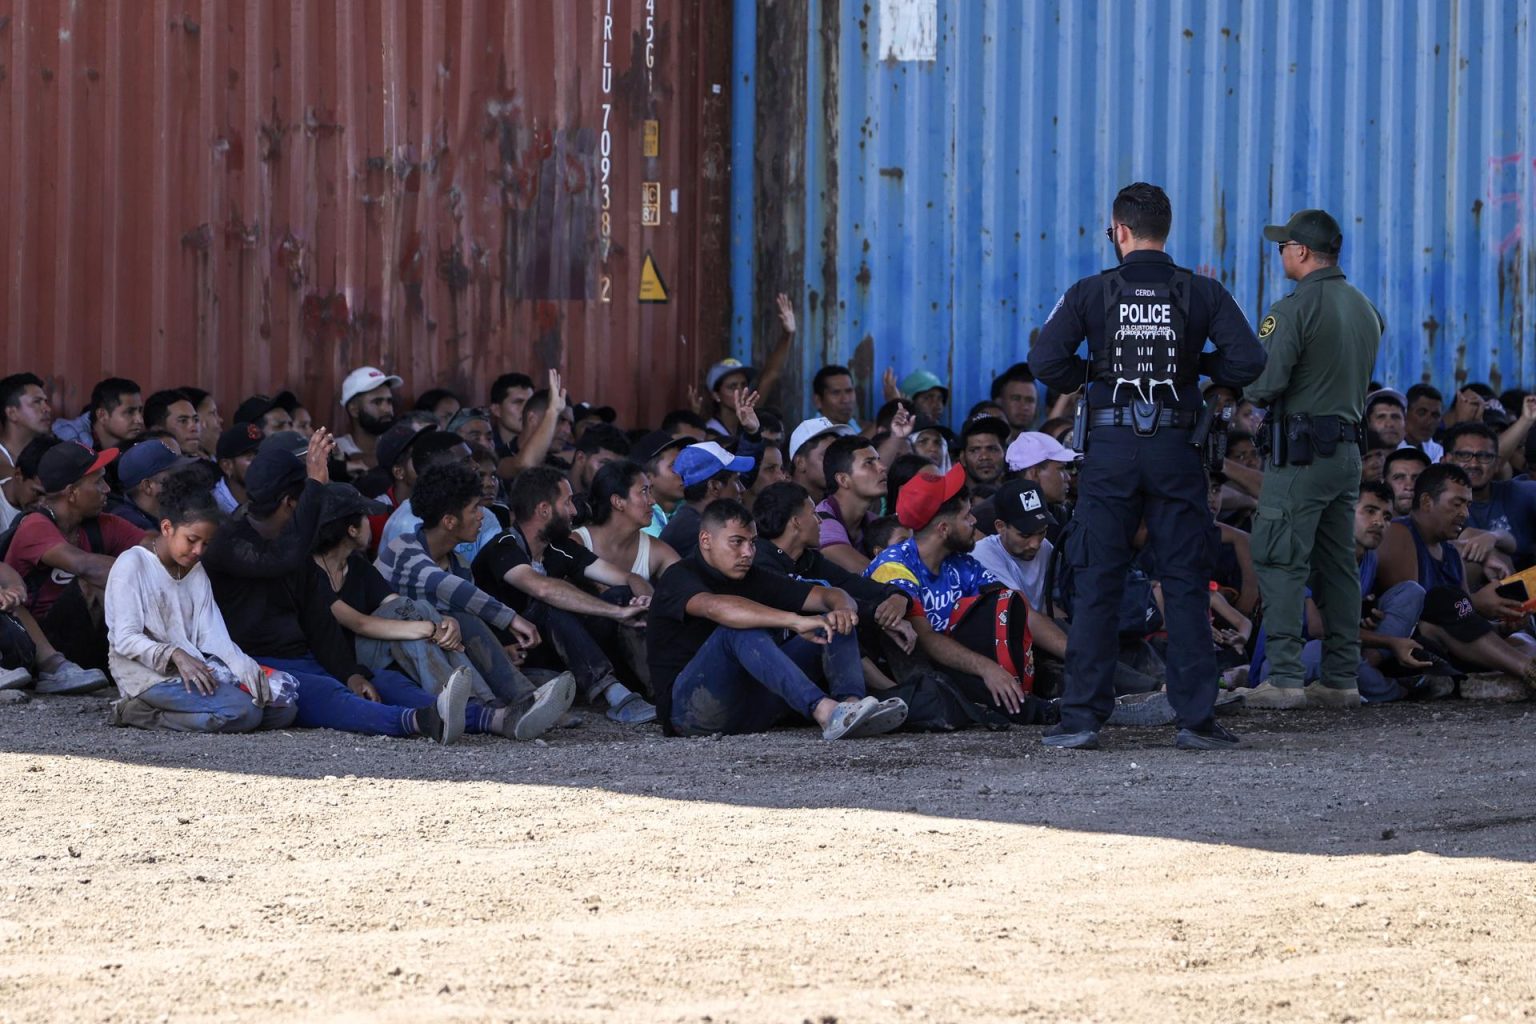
{"x": 65, "y": 549}
{"x": 1018, "y": 553}
{"x": 1322, "y": 341}
{"x": 1147, "y": 321}
{"x": 236, "y": 448}
{"x": 656, "y": 452}
{"x": 263, "y": 412}
{"x": 142, "y": 471}
{"x": 277, "y": 605}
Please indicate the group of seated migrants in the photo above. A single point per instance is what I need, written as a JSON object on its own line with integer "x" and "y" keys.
{"x": 486, "y": 568}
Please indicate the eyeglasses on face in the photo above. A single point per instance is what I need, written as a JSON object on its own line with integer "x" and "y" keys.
{"x": 1486, "y": 458}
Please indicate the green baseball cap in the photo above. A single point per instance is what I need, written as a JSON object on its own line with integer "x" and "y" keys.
{"x": 918, "y": 381}
{"x": 1314, "y": 229}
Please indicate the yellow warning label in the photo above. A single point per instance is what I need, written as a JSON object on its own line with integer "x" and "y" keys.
{"x": 651, "y": 136}
{"x": 652, "y": 288}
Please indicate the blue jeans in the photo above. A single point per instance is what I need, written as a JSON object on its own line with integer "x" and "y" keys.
{"x": 326, "y": 703}
{"x": 1400, "y": 608}
{"x": 422, "y": 660}
{"x": 742, "y": 681}
{"x": 170, "y": 705}
{"x": 508, "y": 685}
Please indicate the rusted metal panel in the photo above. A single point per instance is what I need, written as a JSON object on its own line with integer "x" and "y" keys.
{"x": 257, "y": 194}
{"x": 960, "y": 157}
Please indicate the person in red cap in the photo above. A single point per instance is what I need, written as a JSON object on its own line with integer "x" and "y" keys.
{"x": 65, "y": 549}
{"x": 967, "y": 622}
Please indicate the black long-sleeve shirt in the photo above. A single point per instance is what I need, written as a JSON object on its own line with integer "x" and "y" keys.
{"x": 268, "y": 593}
{"x": 1212, "y": 315}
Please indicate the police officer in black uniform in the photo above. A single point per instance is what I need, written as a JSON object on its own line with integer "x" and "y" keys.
{"x": 1141, "y": 426}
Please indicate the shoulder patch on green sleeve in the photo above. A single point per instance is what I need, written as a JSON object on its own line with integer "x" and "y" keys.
{"x": 1267, "y": 326}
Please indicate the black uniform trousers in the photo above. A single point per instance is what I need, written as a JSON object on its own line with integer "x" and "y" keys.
{"x": 1123, "y": 480}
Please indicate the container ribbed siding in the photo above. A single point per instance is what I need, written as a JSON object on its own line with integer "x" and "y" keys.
{"x": 944, "y": 168}
{"x": 254, "y": 194}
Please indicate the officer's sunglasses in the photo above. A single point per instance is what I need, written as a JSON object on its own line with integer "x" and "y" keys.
{"x": 1281, "y": 246}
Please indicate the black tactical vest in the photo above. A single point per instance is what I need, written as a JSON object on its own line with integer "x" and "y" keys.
{"x": 1146, "y": 343}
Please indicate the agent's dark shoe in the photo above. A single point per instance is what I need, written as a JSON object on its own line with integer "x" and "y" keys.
{"x": 1213, "y": 738}
{"x": 1057, "y": 737}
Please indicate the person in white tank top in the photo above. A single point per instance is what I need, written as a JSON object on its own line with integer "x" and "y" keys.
{"x": 621, "y": 509}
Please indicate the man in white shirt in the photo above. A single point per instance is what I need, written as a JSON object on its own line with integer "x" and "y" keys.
{"x": 1018, "y": 553}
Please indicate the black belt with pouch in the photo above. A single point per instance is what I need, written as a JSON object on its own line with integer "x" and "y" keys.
{"x": 1306, "y": 437}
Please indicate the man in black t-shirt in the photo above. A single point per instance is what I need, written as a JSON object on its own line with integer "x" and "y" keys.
{"x": 734, "y": 649}
{"x": 535, "y": 569}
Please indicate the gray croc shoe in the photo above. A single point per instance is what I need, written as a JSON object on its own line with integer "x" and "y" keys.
{"x": 632, "y": 710}
{"x": 848, "y": 717}
{"x": 890, "y": 714}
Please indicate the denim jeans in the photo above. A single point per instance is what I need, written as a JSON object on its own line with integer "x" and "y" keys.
{"x": 741, "y": 681}
{"x": 508, "y": 686}
{"x": 576, "y": 640}
{"x": 422, "y": 660}
{"x": 170, "y": 705}
{"x": 326, "y": 703}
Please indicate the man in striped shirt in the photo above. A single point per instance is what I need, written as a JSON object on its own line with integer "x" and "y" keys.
{"x": 423, "y": 565}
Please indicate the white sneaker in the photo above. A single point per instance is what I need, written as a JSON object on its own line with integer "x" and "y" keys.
{"x": 15, "y": 678}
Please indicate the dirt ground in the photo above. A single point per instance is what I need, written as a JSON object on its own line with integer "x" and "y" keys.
{"x": 1345, "y": 866}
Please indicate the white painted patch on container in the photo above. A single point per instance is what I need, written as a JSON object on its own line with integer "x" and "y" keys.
{"x": 909, "y": 29}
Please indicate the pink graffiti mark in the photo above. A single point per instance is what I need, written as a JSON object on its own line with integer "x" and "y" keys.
{"x": 1504, "y": 171}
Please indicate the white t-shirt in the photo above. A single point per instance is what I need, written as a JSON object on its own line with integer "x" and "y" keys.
{"x": 1028, "y": 578}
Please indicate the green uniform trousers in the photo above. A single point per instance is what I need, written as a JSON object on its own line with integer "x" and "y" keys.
{"x": 1304, "y": 534}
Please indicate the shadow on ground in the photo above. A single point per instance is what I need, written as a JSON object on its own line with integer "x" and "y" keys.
{"x": 1454, "y": 779}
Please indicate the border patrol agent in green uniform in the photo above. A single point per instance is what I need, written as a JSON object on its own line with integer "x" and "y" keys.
{"x": 1322, "y": 341}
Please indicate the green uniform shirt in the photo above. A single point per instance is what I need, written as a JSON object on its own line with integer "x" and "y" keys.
{"x": 1322, "y": 341}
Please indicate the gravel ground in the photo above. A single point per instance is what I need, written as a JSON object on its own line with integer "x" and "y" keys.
{"x": 1345, "y": 866}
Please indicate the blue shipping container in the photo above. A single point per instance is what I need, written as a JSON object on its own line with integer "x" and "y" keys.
{"x": 960, "y": 156}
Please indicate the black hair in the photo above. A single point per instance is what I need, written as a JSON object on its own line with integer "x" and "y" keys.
{"x": 838, "y": 458}
{"x": 1238, "y": 437}
{"x": 700, "y": 490}
{"x": 185, "y": 499}
{"x": 682, "y": 417}
{"x": 538, "y": 402}
{"x": 430, "y": 447}
{"x": 603, "y": 437}
{"x": 722, "y": 511}
{"x": 903, "y": 469}
{"x": 1512, "y": 399}
{"x": 985, "y": 426}
{"x": 478, "y": 454}
{"x": 1481, "y": 390}
{"x": 1428, "y": 391}
{"x": 877, "y": 535}
{"x": 887, "y": 413}
{"x": 109, "y": 394}
{"x": 1055, "y": 423}
{"x": 330, "y": 535}
{"x": 32, "y": 454}
{"x": 950, "y": 507}
{"x": 1378, "y": 490}
{"x": 770, "y": 422}
{"x": 777, "y": 505}
{"x": 1016, "y": 372}
{"x": 197, "y": 396}
{"x": 1406, "y": 455}
{"x": 981, "y": 407}
{"x": 430, "y": 399}
{"x": 826, "y": 373}
{"x": 445, "y": 489}
{"x": 613, "y": 480}
{"x": 14, "y": 386}
{"x": 1461, "y": 430}
{"x": 533, "y": 487}
{"x": 1434, "y": 480}
{"x": 157, "y": 407}
{"x": 1144, "y": 209}
{"x": 506, "y": 382}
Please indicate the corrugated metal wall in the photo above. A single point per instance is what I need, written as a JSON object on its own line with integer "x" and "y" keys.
{"x": 253, "y": 194}
{"x": 960, "y": 156}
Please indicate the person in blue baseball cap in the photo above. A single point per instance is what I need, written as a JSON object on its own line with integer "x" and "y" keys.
{"x": 708, "y": 472}
{"x": 142, "y": 471}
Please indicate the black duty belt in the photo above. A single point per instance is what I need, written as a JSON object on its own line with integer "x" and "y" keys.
{"x": 1120, "y": 416}
{"x": 1327, "y": 424}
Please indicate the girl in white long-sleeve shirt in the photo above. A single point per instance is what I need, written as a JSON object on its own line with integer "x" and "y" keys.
{"x": 169, "y": 650}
